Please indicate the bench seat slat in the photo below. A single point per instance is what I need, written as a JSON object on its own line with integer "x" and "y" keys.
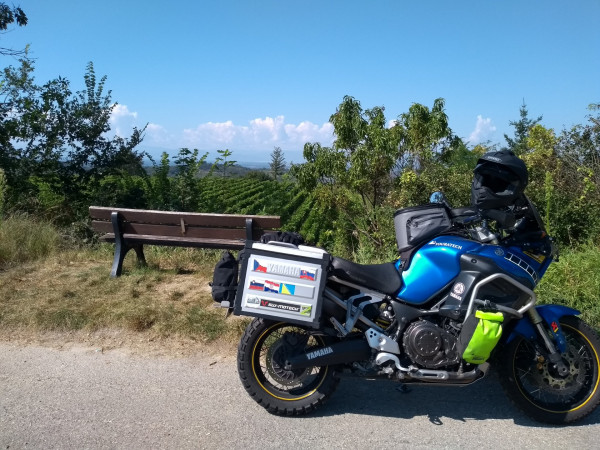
{"x": 231, "y": 244}
{"x": 175, "y": 231}
{"x": 192, "y": 219}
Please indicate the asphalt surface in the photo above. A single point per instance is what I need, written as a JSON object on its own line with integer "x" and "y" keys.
{"x": 85, "y": 398}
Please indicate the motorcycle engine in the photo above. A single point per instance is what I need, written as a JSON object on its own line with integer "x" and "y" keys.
{"x": 429, "y": 345}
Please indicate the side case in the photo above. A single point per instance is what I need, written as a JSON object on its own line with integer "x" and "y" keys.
{"x": 282, "y": 282}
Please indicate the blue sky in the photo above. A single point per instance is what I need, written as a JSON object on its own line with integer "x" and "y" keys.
{"x": 251, "y": 75}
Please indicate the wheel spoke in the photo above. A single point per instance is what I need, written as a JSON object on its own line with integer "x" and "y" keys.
{"x": 544, "y": 385}
{"x": 273, "y": 351}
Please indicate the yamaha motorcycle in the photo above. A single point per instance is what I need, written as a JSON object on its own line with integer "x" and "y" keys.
{"x": 459, "y": 300}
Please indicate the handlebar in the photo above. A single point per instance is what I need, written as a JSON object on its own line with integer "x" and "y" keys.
{"x": 521, "y": 225}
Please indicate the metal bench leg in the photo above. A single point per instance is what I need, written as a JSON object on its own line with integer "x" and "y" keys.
{"x": 120, "y": 252}
{"x": 139, "y": 251}
{"x": 121, "y": 248}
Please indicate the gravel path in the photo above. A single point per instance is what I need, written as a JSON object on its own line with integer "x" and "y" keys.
{"x": 85, "y": 398}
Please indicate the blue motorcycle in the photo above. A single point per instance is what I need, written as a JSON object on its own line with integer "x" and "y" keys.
{"x": 458, "y": 300}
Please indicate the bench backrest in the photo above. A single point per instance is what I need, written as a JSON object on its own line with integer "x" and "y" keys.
{"x": 181, "y": 224}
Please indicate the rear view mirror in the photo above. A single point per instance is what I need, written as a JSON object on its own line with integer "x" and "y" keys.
{"x": 438, "y": 197}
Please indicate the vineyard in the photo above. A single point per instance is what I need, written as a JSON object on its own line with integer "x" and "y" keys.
{"x": 298, "y": 209}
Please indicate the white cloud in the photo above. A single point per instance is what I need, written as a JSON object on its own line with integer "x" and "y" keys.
{"x": 122, "y": 120}
{"x": 484, "y": 130}
{"x": 309, "y": 132}
{"x": 256, "y": 139}
{"x": 158, "y": 135}
{"x": 155, "y": 128}
{"x": 261, "y": 134}
{"x": 217, "y": 134}
{"x": 122, "y": 111}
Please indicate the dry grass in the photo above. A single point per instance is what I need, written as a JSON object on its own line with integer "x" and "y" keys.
{"x": 71, "y": 292}
{"x": 59, "y": 297}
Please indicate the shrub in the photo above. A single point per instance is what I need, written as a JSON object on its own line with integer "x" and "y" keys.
{"x": 575, "y": 281}
{"x": 24, "y": 239}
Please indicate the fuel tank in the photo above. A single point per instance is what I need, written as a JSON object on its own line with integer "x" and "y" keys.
{"x": 432, "y": 267}
{"x": 435, "y": 265}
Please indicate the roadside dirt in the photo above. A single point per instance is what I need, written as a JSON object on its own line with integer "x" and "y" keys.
{"x": 143, "y": 344}
{"x": 74, "y": 279}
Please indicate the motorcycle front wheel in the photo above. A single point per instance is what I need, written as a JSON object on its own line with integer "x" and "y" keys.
{"x": 533, "y": 384}
{"x": 262, "y": 355}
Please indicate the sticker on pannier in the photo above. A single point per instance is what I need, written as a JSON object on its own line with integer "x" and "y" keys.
{"x": 282, "y": 282}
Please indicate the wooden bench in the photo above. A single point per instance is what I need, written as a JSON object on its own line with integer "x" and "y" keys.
{"x": 132, "y": 228}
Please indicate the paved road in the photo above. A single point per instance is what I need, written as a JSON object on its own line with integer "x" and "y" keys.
{"x": 82, "y": 398}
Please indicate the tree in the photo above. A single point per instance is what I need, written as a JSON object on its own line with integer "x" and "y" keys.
{"x": 544, "y": 171}
{"x": 424, "y": 133}
{"x": 426, "y": 151}
{"x": 277, "y": 164}
{"x": 577, "y": 215}
{"x": 8, "y": 16}
{"x": 518, "y": 144}
{"x": 159, "y": 184}
{"x": 355, "y": 175}
{"x": 33, "y": 123}
{"x": 186, "y": 183}
{"x": 91, "y": 152}
{"x": 370, "y": 162}
{"x": 365, "y": 151}
{"x": 222, "y": 161}
{"x": 57, "y": 141}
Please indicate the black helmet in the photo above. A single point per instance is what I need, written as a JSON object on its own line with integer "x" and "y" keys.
{"x": 499, "y": 180}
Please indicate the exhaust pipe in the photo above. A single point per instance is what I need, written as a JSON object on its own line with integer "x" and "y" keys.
{"x": 339, "y": 353}
{"x": 447, "y": 378}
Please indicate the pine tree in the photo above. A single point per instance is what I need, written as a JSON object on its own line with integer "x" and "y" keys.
{"x": 519, "y": 144}
{"x": 277, "y": 163}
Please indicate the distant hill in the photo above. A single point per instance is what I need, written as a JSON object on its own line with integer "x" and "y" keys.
{"x": 238, "y": 170}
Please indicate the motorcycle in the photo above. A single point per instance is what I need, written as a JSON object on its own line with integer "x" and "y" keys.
{"x": 459, "y": 300}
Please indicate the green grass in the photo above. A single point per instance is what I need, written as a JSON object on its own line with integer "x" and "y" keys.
{"x": 575, "y": 281}
{"x": 24, "y": 239}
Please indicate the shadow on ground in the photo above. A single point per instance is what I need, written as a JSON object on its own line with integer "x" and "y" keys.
{"x": 481, "y": 401}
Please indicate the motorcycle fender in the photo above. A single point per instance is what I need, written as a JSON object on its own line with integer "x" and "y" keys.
{"x": 551, "y": 315}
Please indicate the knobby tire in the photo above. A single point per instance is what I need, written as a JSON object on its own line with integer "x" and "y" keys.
{"x": 531, "y": 383}
{"x": 261, "y": 354}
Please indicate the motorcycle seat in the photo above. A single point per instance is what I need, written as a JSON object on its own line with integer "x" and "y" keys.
{"x": 384, "y": 278}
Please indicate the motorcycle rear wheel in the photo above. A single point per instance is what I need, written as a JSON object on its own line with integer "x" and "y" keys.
{"x": 535, "y": 387}
{"x": 262, "y": 352}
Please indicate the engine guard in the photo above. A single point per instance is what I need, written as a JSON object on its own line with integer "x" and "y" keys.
{"x": 551, "y": 315}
